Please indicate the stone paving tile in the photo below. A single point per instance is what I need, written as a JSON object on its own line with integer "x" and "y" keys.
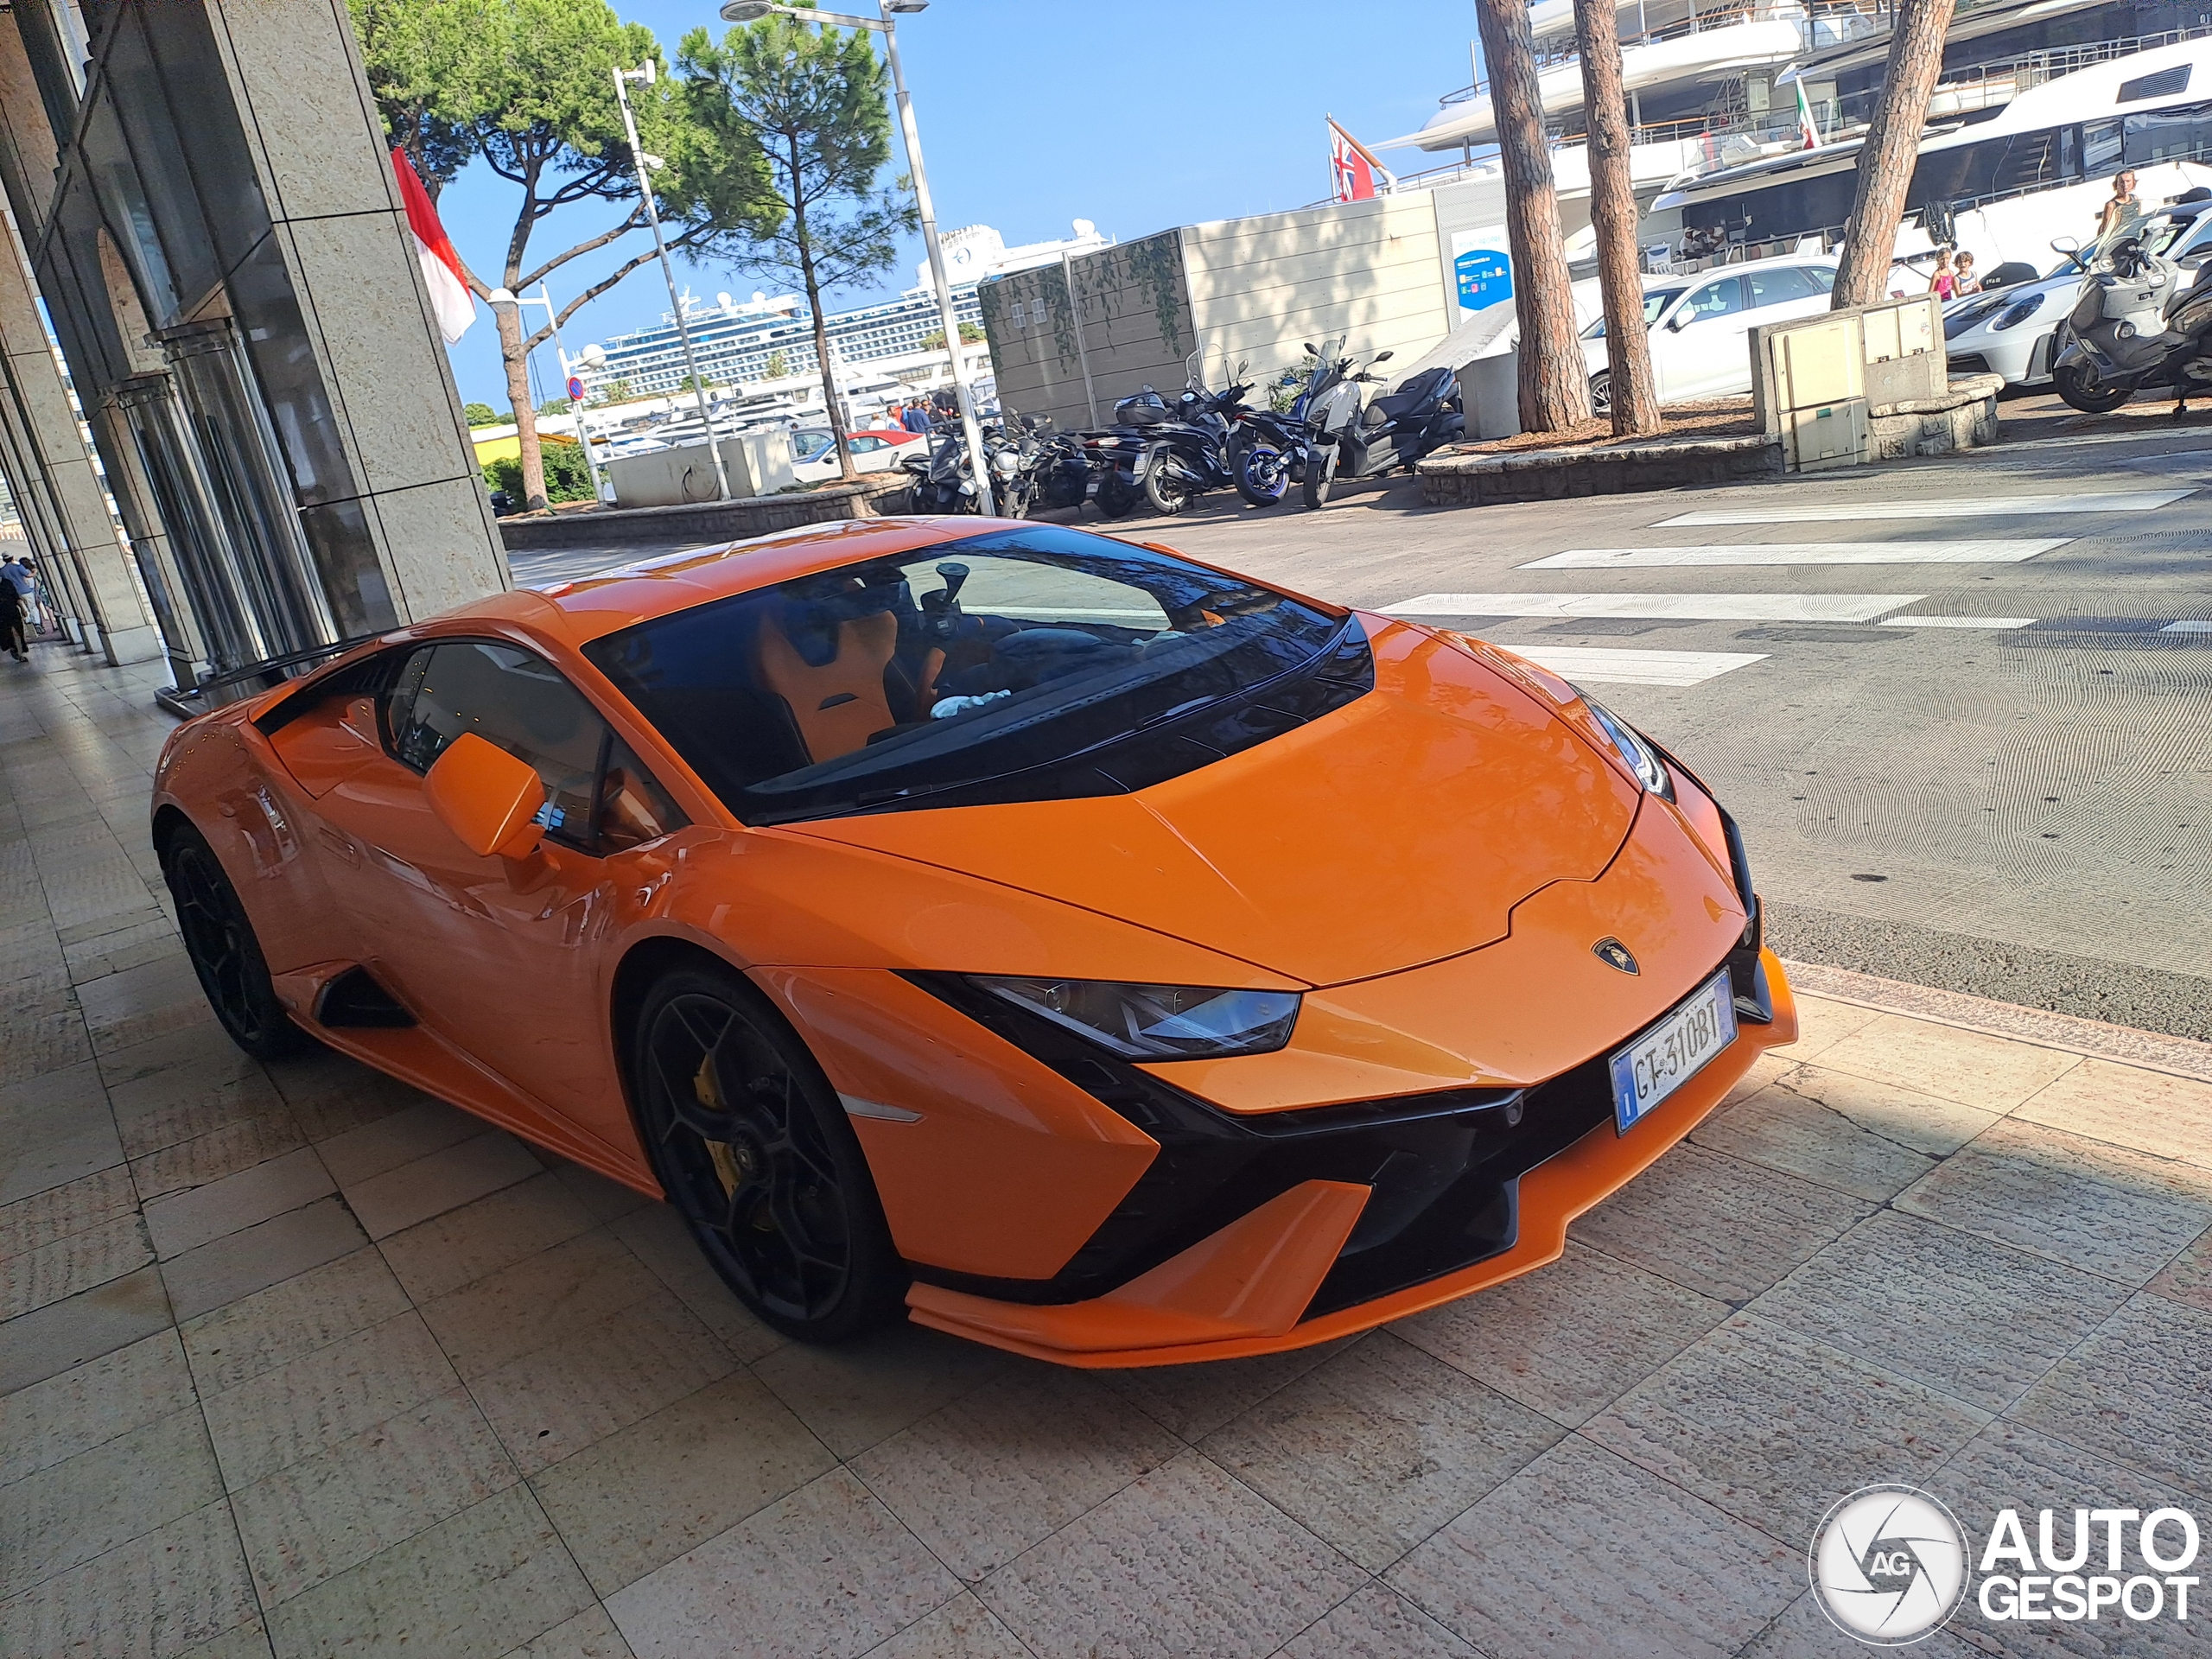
{"x": 1184, "y": 1560}
{"x": 2135, "y": 1393}
{"x": 253, "y": 1138}
{"x": 1979, "y": 1321}
{"x": 1773, "y": 1428}
{"x": 581, "y": 1386}
{"x": 304, "y": 1313}
{"x": 2170, "y": 1117}
{"x": 445, "y": 1180}
{"x": 963, "y": 1629}
{"x": 1570, "y": 1339}
{"x": 982, "y": 1479}
{"x": 55, "y": 1128}
{"x": 148, "y": 1000}
{"x": 463, "y": 1244}
{"x": 132, "y": 945}
{"x": 182, "y": 1086}
{"x": 72, "y": 1207}
{"x": 1191, "y": 1401}
{"x": 76, "y": 1262}
{"x": 39, "y": 1038}
{"x": 183, "y": 1220}
{"x": 520, "y": 1309}
{"x": 1716, "y": 1224}
{"x": 859, "y": 1393}
{"x": 248, "y": 1641}
{"x": 1868, "y": 1139}
{"x": 826, "y": 1573}
{"x": 2089, "y": 1205}
{"x": 1970, "y": 1067}
{"x": 1584, "y": 1552}
{"x": 332, "y": 1095}
{"x": 167, "y": 1590}
{"x": 87, "y": 1505}
{"x": 1822, "y": 1023}
{"x": 649, "y": 1492}
{"x": 1802, "y": 1631}
{"x": 314, "y": 1518}
{"x": 1379, "y": 1447}
{"x": 396, "y": 1138}
{"x": 64, "y": 1334}
{"x": 255, "y": 1257}
{"x": 1377, "y": 1623}
{"x": 480, "y": 1582}
{"x": 92, "y": 1404}
{"x": 2188, "y": 1277}
{"x": 607, "y": 1199}
{"x": 657, "y": 1237}
{"x": 297, "y": 1408}
{"x": 590, "y": 1635}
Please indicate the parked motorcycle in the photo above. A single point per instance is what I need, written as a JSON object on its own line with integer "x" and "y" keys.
{"x": 1113, "y": 452}
{"x": 1276, "y": 440}
{"x": 1198, "y": 450}
{"x": 2136, "y": 321}
{"x": 1397, "y": 429}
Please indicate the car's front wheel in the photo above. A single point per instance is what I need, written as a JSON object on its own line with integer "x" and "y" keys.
{"x": 219, "y": 940}
{"x": 753, "y": 1149}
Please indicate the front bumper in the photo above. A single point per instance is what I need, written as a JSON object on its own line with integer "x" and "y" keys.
{"x": 1279, "y": 1277}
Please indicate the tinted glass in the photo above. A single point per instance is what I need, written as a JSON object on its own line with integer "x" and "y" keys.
{"x": 1025, "y": 664}
{"x": 1714, "y": 300}
{"x": 508, "y": 697}
{"x": 1781, "y": 286}
{"x": 1654, "y": 303}
{"x": 633, "y": 809}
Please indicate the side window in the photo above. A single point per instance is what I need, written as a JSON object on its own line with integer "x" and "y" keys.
{"x": 633, "y": 809}
{"x": 862, "y": 446}
{"x": 1714, "y": 300}
{"x": 1782, "y": 285}
{"x": 1823, "y": 278}
{"x": 510, "y": 697}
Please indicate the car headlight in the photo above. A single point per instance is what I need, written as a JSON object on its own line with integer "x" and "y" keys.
{"x": 2019, "y": 311}
{"x": 1158, "y": 1022}
{"x": 1642, "y": 759}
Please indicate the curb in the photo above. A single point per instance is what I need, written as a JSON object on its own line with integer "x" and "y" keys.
{"x": 2150, "y": 1050}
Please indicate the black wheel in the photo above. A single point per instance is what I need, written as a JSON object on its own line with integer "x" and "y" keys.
{"x": 219, "y": 940}
{"x": 1263, "y": 475}
{"x": 1167, "y": 496}
{"x": 1320, "y": 475}
{"x": 1601, "y": 392}
{"x": 1116, "y": 496}
{"x": 2091, "y": 396}
{"x": 752, "y": 1146}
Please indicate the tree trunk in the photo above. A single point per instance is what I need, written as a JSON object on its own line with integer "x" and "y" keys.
{"x": 1555, "y": 387}
{"x": 1892, "y": 146}
{"x": 1613, "y": 213}
{"x": 516, "y": 362}
{"x": 845, "y": 471}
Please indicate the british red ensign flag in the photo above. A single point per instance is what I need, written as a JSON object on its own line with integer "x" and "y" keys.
{"x": 441, "y": 273}
{"x": 1358, "y": 175}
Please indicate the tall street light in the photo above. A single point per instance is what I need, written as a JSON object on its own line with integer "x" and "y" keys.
{"x": 545, "y": 298}
{"x": 643, "y": 75}
{"x": 747, "y": 12}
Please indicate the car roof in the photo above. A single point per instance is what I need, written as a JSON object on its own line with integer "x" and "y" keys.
{"x": 1662, "y": 278}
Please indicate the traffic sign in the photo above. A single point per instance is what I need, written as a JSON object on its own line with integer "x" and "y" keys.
{"x": 575, "y": 390}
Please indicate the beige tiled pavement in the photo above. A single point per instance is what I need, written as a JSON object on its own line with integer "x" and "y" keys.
{"x": 294, "y": 1361}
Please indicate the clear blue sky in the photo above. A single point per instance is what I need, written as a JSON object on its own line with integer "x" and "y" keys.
{"x": 1138, "y": 114}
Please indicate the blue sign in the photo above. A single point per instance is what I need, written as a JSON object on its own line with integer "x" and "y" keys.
{"x": 1485, "y": 278}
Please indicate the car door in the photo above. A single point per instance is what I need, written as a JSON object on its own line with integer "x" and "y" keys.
{"x": 1690, "y": 357}
{"x": 500, "y": 958}
{"x": 1779, "y": 294}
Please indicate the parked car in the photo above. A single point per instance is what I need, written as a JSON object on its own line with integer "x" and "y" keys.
{"x": 1698, "y": 324}
{"x": 814, "y": 452}
{"x": 1081, "y": 948}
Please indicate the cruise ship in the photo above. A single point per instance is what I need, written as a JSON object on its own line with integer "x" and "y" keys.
{"x": 1722, "y": 96}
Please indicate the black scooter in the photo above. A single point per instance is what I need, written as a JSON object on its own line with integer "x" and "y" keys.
{"x": 1348, "y": 440}
{"x": 1196, "y": 451}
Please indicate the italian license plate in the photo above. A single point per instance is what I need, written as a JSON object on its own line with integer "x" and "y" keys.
{"x": 1673, "y": 1052}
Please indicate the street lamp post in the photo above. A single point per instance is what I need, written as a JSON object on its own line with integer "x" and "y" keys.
{"x": 545, "y": 298}
{"x": 643, "y": 75}
{"x": 746, "y": 12}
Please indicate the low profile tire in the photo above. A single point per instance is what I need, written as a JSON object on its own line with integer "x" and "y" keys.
{"x": 2090, "y": 397}
{"x": 1601, "y": 392}
{"x": 753, "y": 1149}
{"x": 219, "y": 940}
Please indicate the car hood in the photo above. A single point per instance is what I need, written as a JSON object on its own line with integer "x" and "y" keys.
{"x": 1399, "y": 830}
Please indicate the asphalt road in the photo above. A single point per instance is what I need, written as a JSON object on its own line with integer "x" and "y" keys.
{"x": 2013, "y": 799}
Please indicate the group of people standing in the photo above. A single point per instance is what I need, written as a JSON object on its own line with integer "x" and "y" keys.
{"x": 2121, "y": 212}
{"x": 22, "y": 607}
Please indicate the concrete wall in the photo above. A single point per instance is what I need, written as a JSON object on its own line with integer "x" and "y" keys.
{"x": 758, "y": 463}
{"x": 1128, "y": 318}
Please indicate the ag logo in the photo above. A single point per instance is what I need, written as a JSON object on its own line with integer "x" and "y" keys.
{"x": 1614, "y": 954}
{"x": 1888, "y": 1565}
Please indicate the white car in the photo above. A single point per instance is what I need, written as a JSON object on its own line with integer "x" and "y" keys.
{"x": 1698, "y": 324}
{"x": 814, "y": 452}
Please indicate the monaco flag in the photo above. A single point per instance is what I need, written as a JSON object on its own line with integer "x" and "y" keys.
{"x": 1353, "y": 167}
{"x": 449, "y": 296}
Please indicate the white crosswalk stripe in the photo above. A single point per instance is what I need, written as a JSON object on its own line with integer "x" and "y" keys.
{"x": 1961, "y": 621}
{"x": 1975, "y": 506}
{"x": 1699, "y": 607}
{"x": 2187, "y": 626}
{"x": 1608, "y": 667}
{"x": 1660, "y": 558}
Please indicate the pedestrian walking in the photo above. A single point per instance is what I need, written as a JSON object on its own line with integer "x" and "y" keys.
{"x": 1967, "y": 282}
{"x": 915, "y": 418}
{"x": 19, "y": 576}
{"x": 12, "y": 621}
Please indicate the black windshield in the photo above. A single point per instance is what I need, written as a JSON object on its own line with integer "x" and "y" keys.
{"x": 1035, "y": 663}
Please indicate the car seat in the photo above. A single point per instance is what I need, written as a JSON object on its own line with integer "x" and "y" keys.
{"x": 824, "y": 653}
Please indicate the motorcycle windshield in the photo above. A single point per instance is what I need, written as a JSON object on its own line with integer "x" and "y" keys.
{"x": 1037, "y": 664}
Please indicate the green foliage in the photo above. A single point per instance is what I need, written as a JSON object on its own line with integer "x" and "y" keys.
{"x": 614, "y": 391}
{"x": 567, "y": 478}
{"x": 482, "y": 415}
{"x": 554, "y": 406}
{"x": 778, "y": 366}
{"x": 690, "y": 382}
{"x": 971, "y": 334}
{"x": 422, "y": 60}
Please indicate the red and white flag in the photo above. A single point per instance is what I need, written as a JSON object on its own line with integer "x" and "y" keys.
{"x": 441, "y": 275}
{"x": 1358, "y": 175}
{"x": 1808, "y": 128}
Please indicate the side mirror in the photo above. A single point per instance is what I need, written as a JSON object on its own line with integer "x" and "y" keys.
{"x": 1384, "y": 357}
{"x": 2065, "y": 244}
{"x": 489, "y": 799}
{"x": 1310, "y": 352}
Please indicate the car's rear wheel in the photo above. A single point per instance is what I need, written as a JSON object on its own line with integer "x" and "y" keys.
{"x": 753, "y": 1149}
{"x": 219, "y": 940}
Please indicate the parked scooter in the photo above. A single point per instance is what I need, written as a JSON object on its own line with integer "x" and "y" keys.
{"x": 2136, "y": 323}
{"x": 1348, "y": 440}
{"x": 1274, "y": 450}
{"x": 1197, "y": 451}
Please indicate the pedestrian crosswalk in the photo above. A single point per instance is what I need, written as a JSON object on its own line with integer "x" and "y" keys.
{"x": 1968, "y": 506}
{"x": 1675, "y": 668}
{"x": 1661, "y": 558}
{"x": 1691, "y": 607}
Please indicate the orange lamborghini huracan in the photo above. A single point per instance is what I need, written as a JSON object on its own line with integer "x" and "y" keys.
{"x": 1112, "y": 959}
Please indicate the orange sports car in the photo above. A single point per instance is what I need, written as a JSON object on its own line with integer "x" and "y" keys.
{"x": 1110, "y": 958}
